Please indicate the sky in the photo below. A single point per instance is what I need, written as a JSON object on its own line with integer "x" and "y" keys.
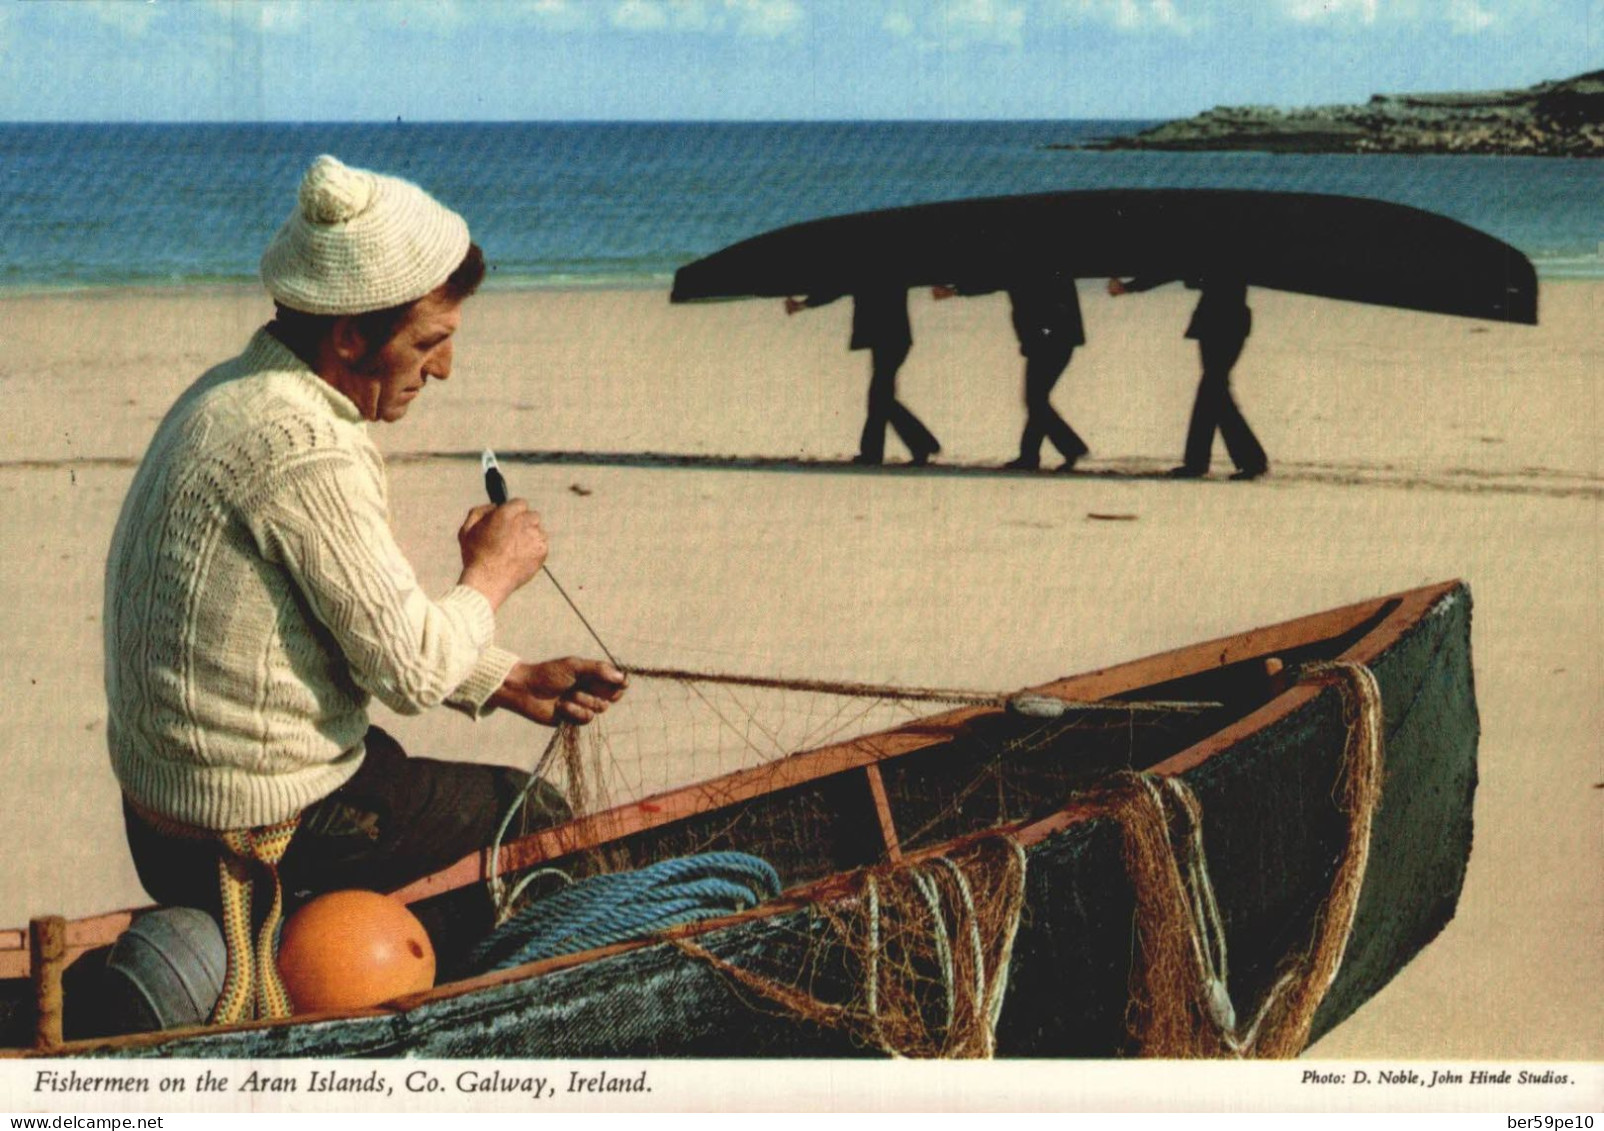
{"x": 453, "y": 60}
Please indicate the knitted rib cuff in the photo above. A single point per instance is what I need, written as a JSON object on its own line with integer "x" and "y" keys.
{"x": 487, "y": 675}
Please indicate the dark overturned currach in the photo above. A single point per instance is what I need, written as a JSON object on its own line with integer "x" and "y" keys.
{"x": 1340, "y": 247}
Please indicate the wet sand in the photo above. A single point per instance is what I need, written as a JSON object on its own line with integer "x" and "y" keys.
{"x": 691, "y": 466}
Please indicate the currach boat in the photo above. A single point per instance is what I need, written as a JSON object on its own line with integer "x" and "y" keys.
{"x": 1221, "y": 850}
{"x": 1340, "y": 247}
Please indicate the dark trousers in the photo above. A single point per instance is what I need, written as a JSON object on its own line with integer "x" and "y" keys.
{"x": 884, "y": 408}
{"x": 1042, "y": 421}
{"x": 1215, "y": 409}
{"x": 399, "y": 818}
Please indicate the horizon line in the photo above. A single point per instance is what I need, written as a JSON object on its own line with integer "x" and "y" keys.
{"x": 404, "y": 121}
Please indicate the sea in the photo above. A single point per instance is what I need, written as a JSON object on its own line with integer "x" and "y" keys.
{"x": 626, "y": 203}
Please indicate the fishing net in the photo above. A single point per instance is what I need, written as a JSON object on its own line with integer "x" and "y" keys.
{"x": 978, "y": 764}
{"x": 905, "y": 956}
{"x": 918, "y": 885}
{"x": 674, "y": 728}
{"x": 923, "y": 949}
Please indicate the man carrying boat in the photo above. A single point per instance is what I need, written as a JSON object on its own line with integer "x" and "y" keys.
{"x": 256, "y": 599}
{"x": 1220, "y": 325}
{"x": 1045, "y": 309}
{"x": 880, "y": 325}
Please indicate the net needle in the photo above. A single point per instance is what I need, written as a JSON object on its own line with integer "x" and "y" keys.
{"x": 496, "y": 488}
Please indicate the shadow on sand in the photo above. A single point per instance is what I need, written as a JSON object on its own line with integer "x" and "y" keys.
{"x": 1545, "y": 482}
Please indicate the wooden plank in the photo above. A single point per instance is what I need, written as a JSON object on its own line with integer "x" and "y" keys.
{"x": 882, "y": 811}
{"x": 1411, "y": 608}
{"x": 82, "y": 935}
{"x": 47, "y": 946}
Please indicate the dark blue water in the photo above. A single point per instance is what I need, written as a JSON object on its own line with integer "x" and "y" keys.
{"x": 97, "y": 205}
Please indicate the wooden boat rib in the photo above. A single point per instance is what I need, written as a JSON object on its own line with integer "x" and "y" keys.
{"x": 1261, "y": 764}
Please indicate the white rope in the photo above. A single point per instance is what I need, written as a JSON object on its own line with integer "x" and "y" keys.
{"x": 967, "y": 898}
{"x": 872, "y": 891}
{"x": 500, "y": 898}
{"x": 926, "y": 887}
{"x": 999, "y": 977}
{"x": 1206, "y": 933}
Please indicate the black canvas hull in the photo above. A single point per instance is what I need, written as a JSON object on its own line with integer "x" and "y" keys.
{"x": 1338, "y": 247}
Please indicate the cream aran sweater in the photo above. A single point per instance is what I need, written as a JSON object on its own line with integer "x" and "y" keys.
{"x": 256, "y": 599}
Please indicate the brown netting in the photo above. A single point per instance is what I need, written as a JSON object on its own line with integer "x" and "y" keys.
{"x": 929, "y": 943}
{"x": 1285, "y": 1018}
{"x": 675, "y": 728}
{"x": 1180, "y": 1006}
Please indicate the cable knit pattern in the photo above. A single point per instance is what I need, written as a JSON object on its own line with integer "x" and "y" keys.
{"x": 256, "y": 599}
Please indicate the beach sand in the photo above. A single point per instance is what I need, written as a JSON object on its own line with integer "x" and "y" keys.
{"x": 1405, "y": 449}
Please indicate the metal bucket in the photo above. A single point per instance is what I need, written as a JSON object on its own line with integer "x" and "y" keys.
{"x": 166, "y": 971}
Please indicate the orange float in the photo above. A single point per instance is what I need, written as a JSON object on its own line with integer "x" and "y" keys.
{"x": 350, "y": 949}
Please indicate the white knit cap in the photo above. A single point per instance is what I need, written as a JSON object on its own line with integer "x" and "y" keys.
{"x": 360, "y": 241}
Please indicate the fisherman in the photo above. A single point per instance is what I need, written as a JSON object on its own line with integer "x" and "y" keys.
{"x": 1047, "y": 321}
{"x": 880, "y": 325}
{"x": 1220, "y": 325}
{"x": 256, "y": 599}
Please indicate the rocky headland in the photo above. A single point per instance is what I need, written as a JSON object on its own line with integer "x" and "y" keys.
{"x": 1551, "y": 119}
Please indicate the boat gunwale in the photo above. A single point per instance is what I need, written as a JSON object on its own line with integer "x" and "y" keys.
{"x": 1410, "y": 608}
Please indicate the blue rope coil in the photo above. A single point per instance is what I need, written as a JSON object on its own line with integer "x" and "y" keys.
{"x": 620, "y": 906}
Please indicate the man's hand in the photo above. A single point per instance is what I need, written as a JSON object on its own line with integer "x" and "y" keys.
{"x": 792, "y": 305}
{"x": 1116, "y": 287}
{"x": 941, "y": 291}
{"x": 502, "y": 549}
{"x": 568, "y": 690}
